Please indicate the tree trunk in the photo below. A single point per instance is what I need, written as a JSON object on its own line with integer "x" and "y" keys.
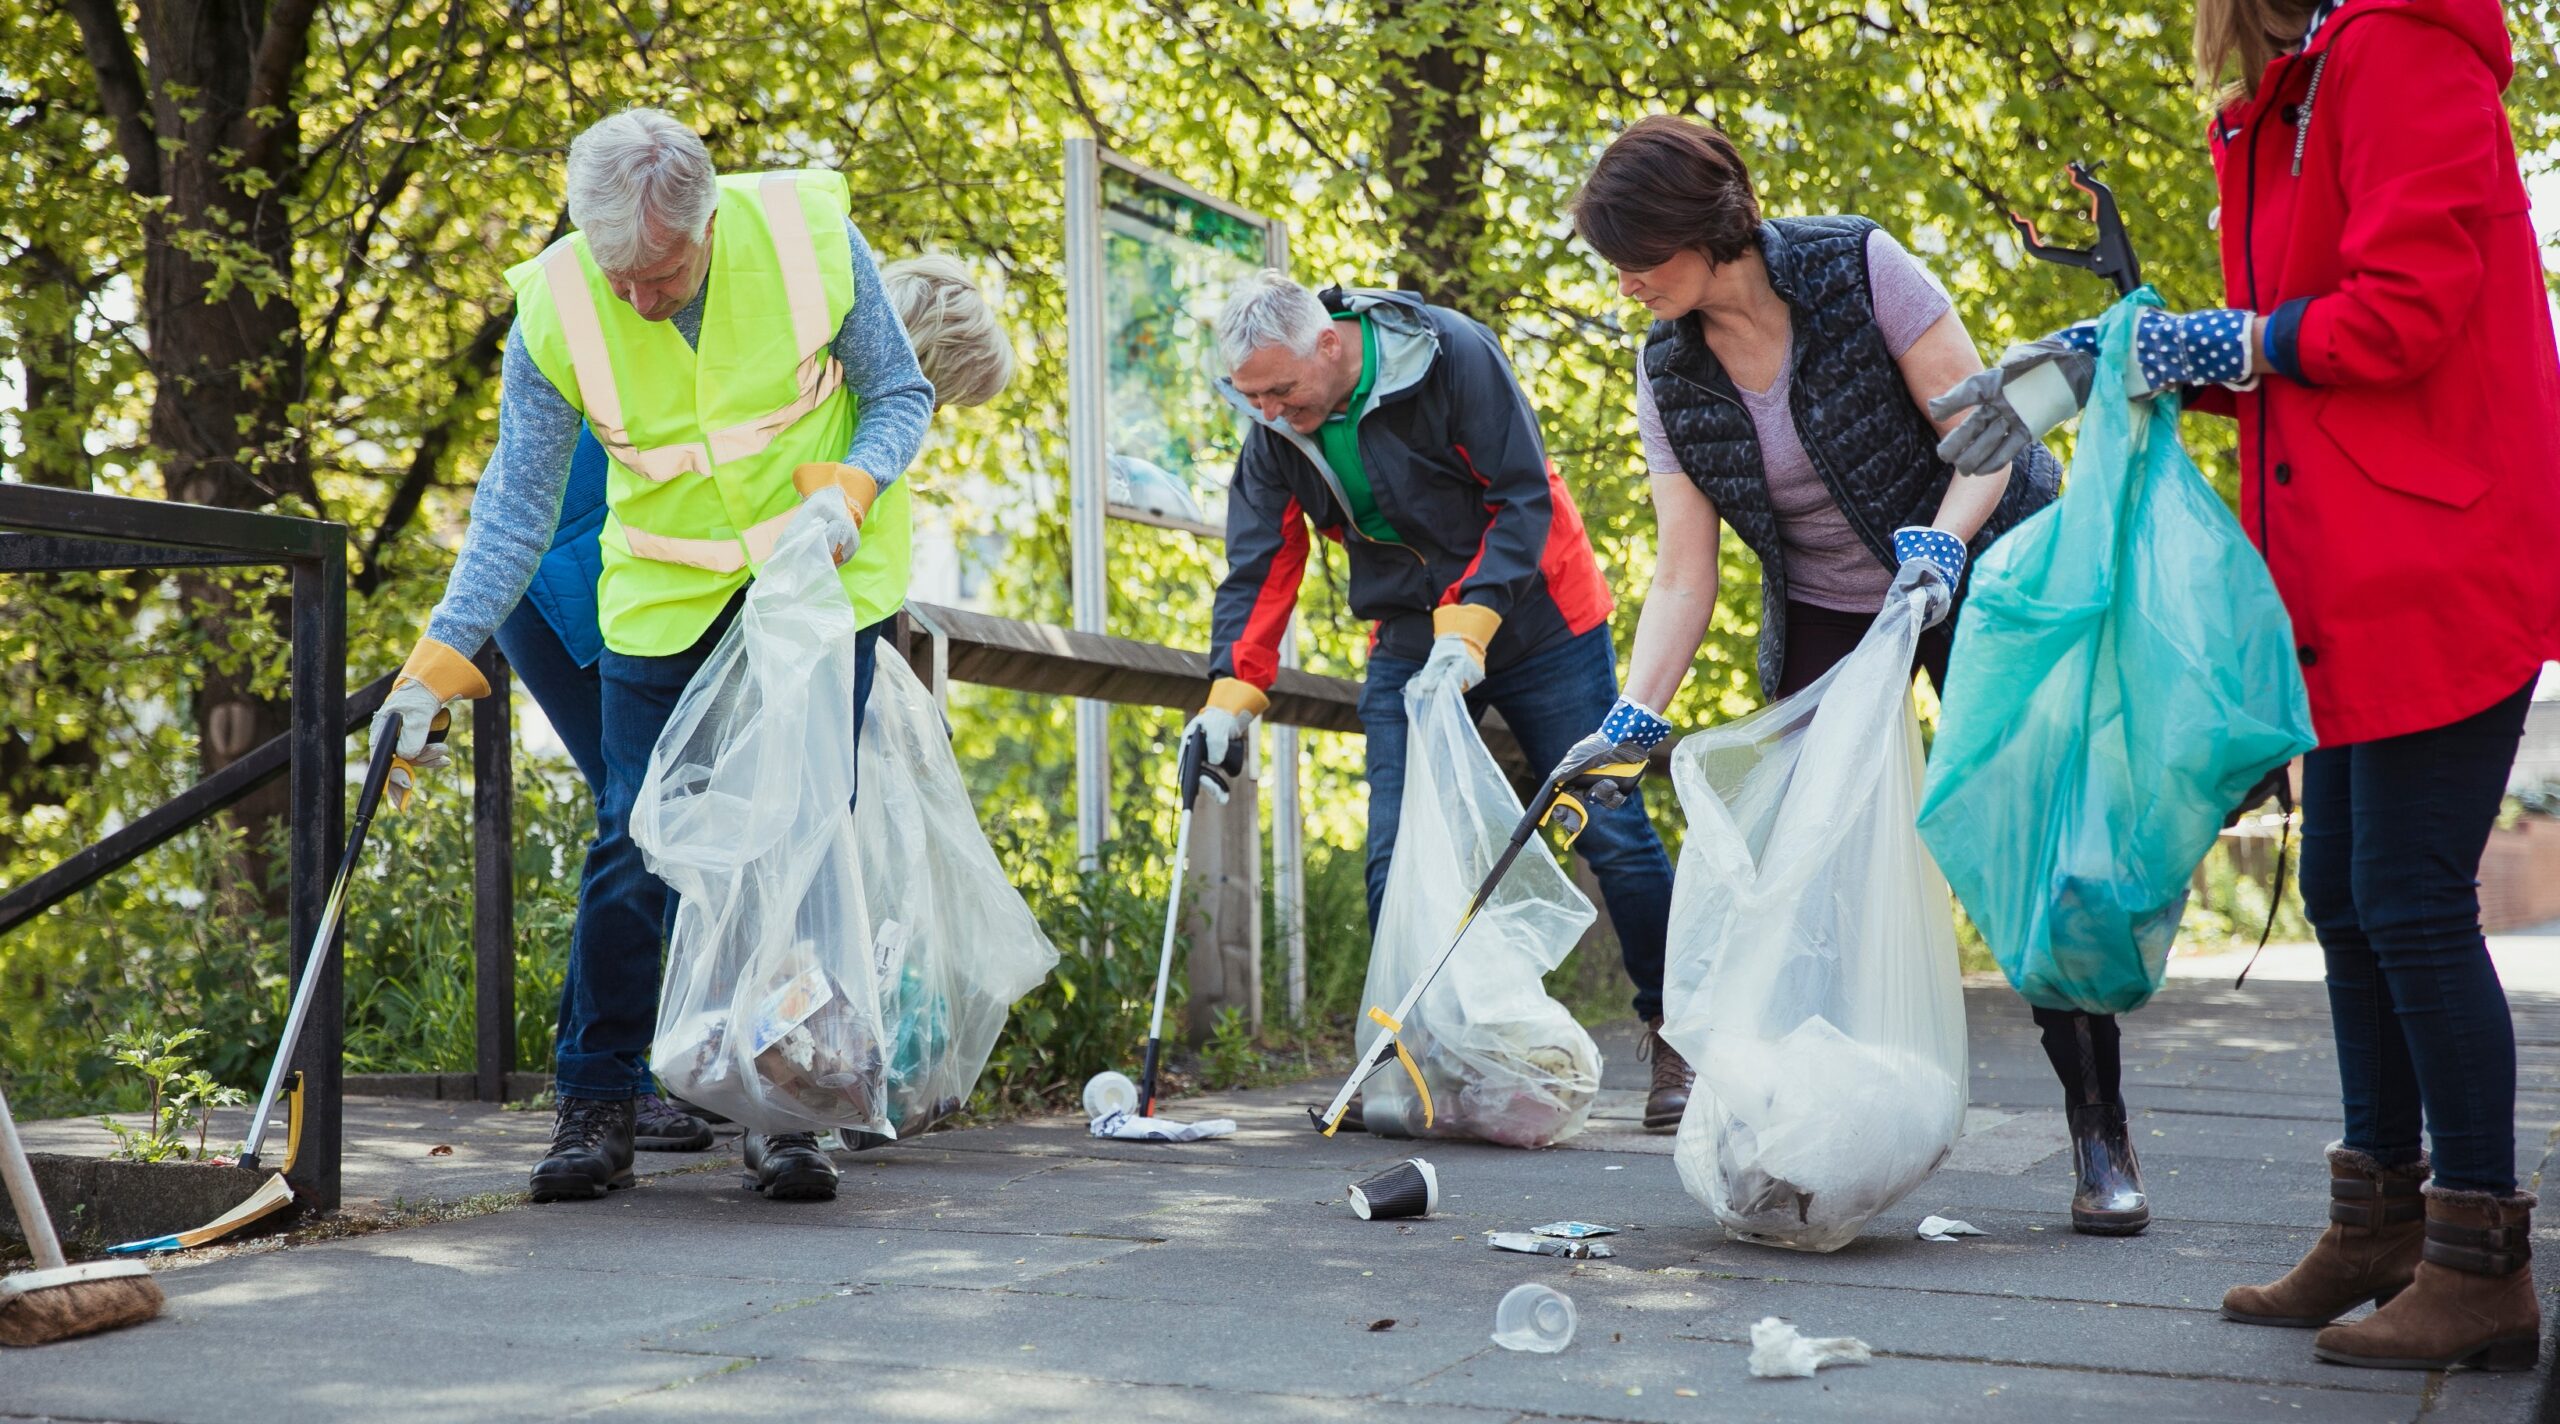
{"x": 1435, "y": 158}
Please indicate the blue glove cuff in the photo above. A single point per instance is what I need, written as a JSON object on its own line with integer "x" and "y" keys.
{"x": 2198, "y": 348}
{"x": 1936, "y": 546}
{"x": 1631, "y": 725}
{"x": 2079, "y": 336}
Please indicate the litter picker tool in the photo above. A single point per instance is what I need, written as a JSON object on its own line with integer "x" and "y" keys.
{"x": 1560, "y": 800}
{"x": 1194, "y": 768}
{"x": 387, "y": 770}
{"x": 56, "y": 1301}
{"x": 2112, "y": 257}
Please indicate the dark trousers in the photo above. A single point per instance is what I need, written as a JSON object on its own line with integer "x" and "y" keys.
{"x": 2392, "y": 832}
{"x": 1550, "y": 701}
{"x": 2081, "y": 1047}
{"x": 609, "y": 1004}
{"x": 571, "y": 697}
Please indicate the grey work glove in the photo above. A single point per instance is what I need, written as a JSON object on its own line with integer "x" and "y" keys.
{"x": 2036, "y": 386}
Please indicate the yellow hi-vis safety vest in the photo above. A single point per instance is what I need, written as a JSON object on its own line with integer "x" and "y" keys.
{"x": 701, "y": 440}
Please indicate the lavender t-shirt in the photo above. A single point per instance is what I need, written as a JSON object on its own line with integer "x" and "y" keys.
{"x": 1828, "y": 565}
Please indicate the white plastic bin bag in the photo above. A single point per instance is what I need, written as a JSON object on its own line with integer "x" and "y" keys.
{"x": 1503, "y": 1062}
{"x": 1811, "y": 973}
{"x": 769, "y": 1011}
{"x": 953, "y": 945}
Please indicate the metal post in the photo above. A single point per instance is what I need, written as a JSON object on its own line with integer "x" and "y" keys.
{"x": 493, "y": 880}
{"x": 1288, "y": 810}
{"x": 1088, "y": 477}
{"x": 1289, "y": 846}
{"x": 317, "y": 790}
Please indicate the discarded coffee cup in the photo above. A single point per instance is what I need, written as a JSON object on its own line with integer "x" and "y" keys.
{"x": 1409, "y": 1188}
{"x": 1108, "y": 1092}
{"x": 1535, "y": 1318}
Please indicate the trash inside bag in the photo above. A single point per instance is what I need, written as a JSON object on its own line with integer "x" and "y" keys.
{"x": 952, "y": 943}
{"x": 2123, "y": 674}
{"x": 769, "y": 1012}
{"x": 1502, "y": 1061}
{"x": 1811, "y": 973}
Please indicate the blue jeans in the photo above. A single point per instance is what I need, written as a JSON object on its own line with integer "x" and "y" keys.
{"x": 609, "y": 1003}
{"x": 1551, "y": 700}
{"x": 571, "y": 697}
{"x": 2392, "y": 832}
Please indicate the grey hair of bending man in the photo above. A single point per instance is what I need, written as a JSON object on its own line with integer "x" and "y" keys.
{"x": 1269, "y": 309}
{"x": 641, "y": 185}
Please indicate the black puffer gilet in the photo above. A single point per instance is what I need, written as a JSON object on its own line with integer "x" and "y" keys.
{"x": 1872, "y": 445}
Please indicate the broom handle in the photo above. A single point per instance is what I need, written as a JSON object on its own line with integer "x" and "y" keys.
{"x": 22, "y": 1194}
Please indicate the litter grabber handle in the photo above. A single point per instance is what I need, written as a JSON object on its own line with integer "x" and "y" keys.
{"x": 1195, "y": 767}
{"x": 2112, "y": 255}
{"x": 315, "y": 964}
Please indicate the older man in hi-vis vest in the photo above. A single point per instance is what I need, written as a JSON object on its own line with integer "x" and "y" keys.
{"x": 719, "y": 419}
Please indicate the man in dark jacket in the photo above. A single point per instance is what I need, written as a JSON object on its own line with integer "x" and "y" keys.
{"x": 1396, "y": 429}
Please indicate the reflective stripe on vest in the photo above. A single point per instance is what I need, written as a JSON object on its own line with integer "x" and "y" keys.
{"x": 820, "y": 374}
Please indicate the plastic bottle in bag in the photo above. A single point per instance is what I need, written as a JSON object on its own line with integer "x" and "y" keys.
{"x": 1503, "y": 1061}
{"x": 769, "y": 1011}
{"x": 1811, "y": 974}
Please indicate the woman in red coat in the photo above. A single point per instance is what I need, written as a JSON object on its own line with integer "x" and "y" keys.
{"x": 2389, "y": 355}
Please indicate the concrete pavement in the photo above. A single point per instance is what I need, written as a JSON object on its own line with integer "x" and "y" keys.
{"x": 1028, "y": 1272}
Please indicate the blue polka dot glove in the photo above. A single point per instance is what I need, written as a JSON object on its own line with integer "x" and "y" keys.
{"x": 1932, "y": 566}
{"x": 2178, "y": 349}
{"x": 1628, "y": 734}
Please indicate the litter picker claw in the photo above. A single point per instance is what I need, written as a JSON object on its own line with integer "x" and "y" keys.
{"x": 2112, "y": 256}
{"x": 1560, "y": 800}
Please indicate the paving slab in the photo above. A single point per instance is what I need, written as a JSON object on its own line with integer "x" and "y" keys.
{"x": 1029, "y": 1272}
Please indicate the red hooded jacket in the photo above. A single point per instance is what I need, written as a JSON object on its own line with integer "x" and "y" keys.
{"x": 2401, "y": 471}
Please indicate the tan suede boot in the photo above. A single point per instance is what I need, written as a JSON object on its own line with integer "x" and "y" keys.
{"x": 2376, "y": 1222}
{"x": 2471, "y": 1302}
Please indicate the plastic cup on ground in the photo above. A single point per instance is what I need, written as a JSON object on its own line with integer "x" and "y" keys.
{"x": 1535, "y": 1318}
{"x": 1108, "y": 1092}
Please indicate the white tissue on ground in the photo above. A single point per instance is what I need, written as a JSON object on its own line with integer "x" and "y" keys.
{"x": 1943, "y": 1228}
{"x": 1126, "y": 1126}
{"x": 1779, "y": 1352}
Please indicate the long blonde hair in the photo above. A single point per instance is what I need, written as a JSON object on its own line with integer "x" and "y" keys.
{"x": 2246, "y": 35}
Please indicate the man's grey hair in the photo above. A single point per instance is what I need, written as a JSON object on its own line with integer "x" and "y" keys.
{"x": 963, "y": 349}
{"x": 1268, "y": 309}
{"x": 640, "y": 185}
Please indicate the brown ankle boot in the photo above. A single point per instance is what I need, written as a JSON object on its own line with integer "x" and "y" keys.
{"x": 2376, "y": 1222}
{"x": 2471, "y": 1301}
{"x": 1672, "y": 1076}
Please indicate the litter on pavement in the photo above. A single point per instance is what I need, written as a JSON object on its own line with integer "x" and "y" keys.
{"x": 1940, "y": 1228}
{"x": 1127, "y": 1126}
{"x": 1409, "y": 1188}
{"x": 1778, "y": 1351}
{"x": 1528, "y": 1244}
{"x": 1572, "y": 1230}
{"x": 1535, "y": 1318}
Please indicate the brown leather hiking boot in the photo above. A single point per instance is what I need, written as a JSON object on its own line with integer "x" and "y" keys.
{"x": 2376, "y": 1222}
{"x": 2471, "y": 1301}
{"x": 1672, "y": 1075}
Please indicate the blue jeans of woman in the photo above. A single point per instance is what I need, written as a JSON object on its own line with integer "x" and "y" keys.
{"x": 2392, "y": 832}
{"x": 609, "y": 1003}
{"x": 1550, "y": 700}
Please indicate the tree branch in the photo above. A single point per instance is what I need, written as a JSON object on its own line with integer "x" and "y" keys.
{"x": 120, "y": 91}
{"x": 1075, "y": 82}
{"x": 281, "y": 50}
{"x": 473, "y": 364}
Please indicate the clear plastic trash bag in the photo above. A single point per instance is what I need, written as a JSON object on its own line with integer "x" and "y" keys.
{"x": 769, "y": 1011}
{"x": 2123, "y": 674}
{"x": 1503, "y": 1062}
{"x": 1811, "y": 974}
{"x": 953, "y": 945}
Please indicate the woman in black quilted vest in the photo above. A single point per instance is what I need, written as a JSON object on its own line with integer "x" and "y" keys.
{"x": 1783, "y": 389}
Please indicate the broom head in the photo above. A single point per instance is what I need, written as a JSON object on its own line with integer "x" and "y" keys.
{"x": 38, "y": 1307}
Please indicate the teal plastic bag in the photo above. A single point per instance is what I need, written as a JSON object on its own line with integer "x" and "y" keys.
{"x": 2123, "y": 673}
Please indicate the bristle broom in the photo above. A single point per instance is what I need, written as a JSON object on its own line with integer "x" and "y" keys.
{"x": 39, "y": 1307}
